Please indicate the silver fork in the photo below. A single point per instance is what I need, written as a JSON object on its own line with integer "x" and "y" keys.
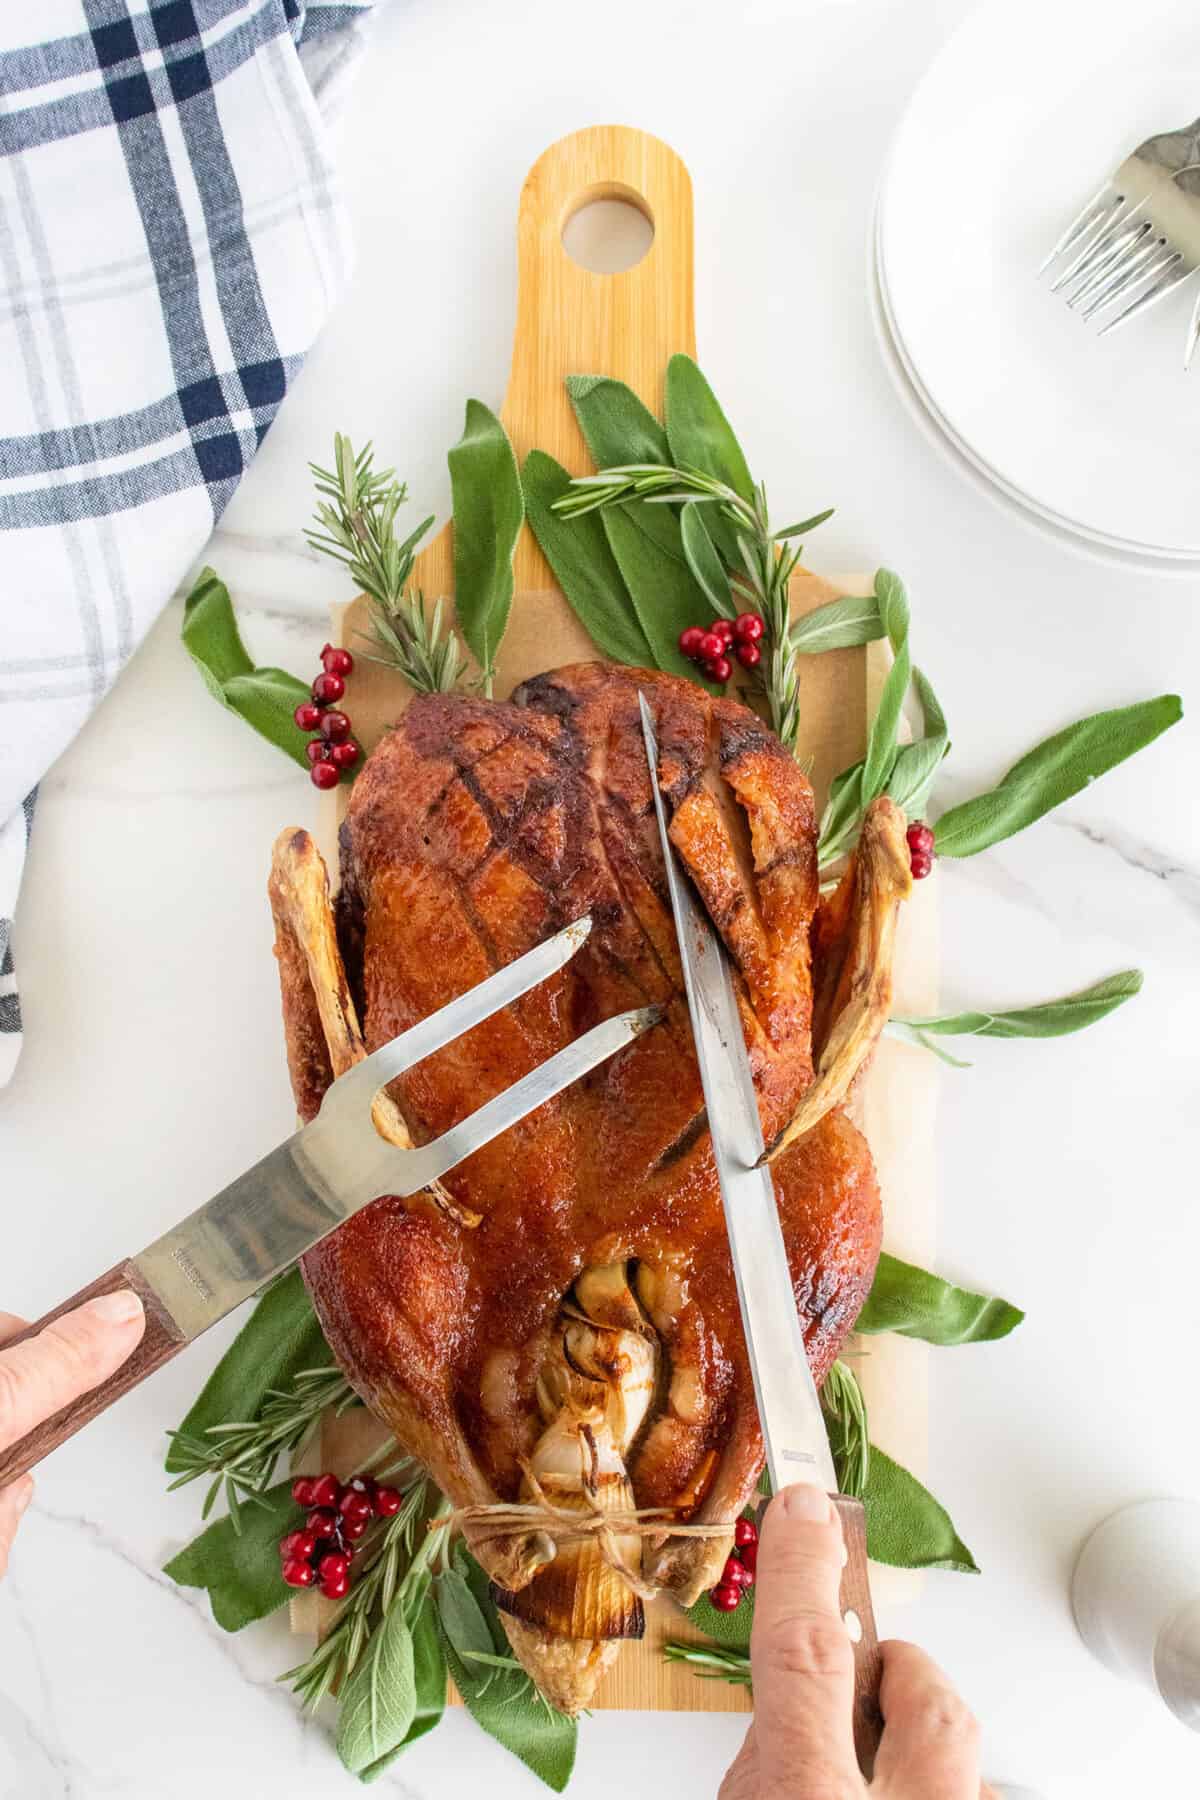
{"x": 1136, "y": 240}
{"x": 306, "y": 1187}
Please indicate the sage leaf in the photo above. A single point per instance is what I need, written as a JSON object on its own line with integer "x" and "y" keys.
{"x": 1050, "y": 1018}
{"x": 881, "y": 739}
{"x": 503, "y": 1701}
{"x": 666, "y": 596}
{"x": 914, "y": 1303}
{"x": 838, "y": 625}
{"x": 617, "y": 428}
{"x": 379, "y": 1702}
{"x": 1052, "y": 772}
{"x": 910, "y": 1034}
{"x": 488, "y": 515}
{"x": 239, "y": 1568}
{"x": 931, "y": 708}
{"x": 913, "y": 770}
{"x": 265, "y": 698}
{"x": 279, "y": 1339}
{"x": 906, "y": 1526}
{"x": 429, "y": 1684}
{"x": 646, "y": 540}
{"x": 703, "y": 561}
{"x": 584, "y": 566}
{"x": 701, "y": 437}
{"x": 842, "y": 812}
{"x": 460, "y": 1615}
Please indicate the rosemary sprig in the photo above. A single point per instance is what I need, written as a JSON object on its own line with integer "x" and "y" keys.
{"x": 241, "y": 1456}
{"x": 384, "y": 1581}
{"x": 357, "y": 527}
{"x": 713, "y": 1663}
{"x": 768, "y": 559}
{"x": 846, "y": 1418}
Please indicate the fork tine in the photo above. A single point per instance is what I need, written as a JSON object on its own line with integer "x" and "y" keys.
{"x": 1103, "y": 255}
{"x": 1113, "y": 267}
{"x": 1193, "y": 336}
{"x": 1089, "y": 218}
{"x": 1169, "y": 278}
{"x": 1147, "y": 261}
{"x": 1113, "y": 229}
{"x": 530, "y": 1092}
{"x": 452, "y": 1020}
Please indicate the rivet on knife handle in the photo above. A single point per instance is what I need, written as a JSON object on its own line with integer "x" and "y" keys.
{"x": 161, "y": 1341}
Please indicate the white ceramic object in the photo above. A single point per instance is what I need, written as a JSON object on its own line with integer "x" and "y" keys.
{"x": 936, "y": 431}
{"x": 1016, "y": 123}
{"x": 1136, "y": 1596}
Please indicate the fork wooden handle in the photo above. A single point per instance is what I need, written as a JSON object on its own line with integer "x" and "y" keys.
{"x": 161, "y": 1341}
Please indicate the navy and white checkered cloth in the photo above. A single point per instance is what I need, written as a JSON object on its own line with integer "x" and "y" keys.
{"x": 171, "y": 240}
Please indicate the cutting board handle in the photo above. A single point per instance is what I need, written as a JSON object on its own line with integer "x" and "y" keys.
{"x": 571, "y": 321}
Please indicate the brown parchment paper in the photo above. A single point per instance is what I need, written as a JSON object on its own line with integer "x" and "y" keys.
{"x": 895, "y": 1103}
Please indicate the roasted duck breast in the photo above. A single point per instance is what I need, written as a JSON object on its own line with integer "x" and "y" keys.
{"x": 558, "y": 1325}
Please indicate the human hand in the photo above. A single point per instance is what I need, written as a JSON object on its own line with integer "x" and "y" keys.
{"x": 800, "y": 1746}
{"x": 45, "y": 1373}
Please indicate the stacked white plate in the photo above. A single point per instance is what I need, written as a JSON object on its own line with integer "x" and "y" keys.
{"x": 1019, "y": 121}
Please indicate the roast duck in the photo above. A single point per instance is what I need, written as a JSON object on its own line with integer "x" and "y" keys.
{"x": 557, "y": 1323}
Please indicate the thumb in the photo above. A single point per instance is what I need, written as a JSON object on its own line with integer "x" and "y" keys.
{"x": 800, "y": 1650}
{"x": 77, "y": 1352}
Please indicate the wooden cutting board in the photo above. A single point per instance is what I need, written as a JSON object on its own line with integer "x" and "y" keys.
{"x": 571, "y": 321}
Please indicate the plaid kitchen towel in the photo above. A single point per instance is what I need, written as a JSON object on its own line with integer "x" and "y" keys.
{"x": 171, "y": 240}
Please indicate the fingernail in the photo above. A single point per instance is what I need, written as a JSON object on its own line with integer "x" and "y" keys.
{"x": 24, "y": 1495}
{"x": 115, "y": 1309}
{"x": 803, "y": 1501}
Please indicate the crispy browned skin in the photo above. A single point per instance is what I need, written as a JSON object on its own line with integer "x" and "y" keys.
{"x": 474, "y": 831}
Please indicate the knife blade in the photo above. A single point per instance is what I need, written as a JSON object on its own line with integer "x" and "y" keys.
{"x": 229, "y": 1248}
{"x": 789, "y": 1411}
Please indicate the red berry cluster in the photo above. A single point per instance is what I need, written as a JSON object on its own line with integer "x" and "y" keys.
{"x": 920, "y": 849}
{"x": 333, "y": 749}
{"x": 738, "y": 1573}
{"x": 320, "y": 1552}
{"x": 711, "y": 646}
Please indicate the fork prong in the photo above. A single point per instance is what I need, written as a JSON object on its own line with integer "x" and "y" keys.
{"x": 1169, "y": 278}
{"x": 452, "y": 1020}
{"x": 1193, "y": 336}
{"x": 1104, "y": 255}
{"x": 531, "y": 1091}
{"x": 1089, "y": 219}
{"x": 1115, "y": 266}
{"x": 1112, "y": 231}
{"x": 1148, "y": 260}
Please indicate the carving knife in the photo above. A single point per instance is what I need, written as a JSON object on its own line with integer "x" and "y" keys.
{"x": 306, "y": 1187}
{"x": 789, "y": 1409}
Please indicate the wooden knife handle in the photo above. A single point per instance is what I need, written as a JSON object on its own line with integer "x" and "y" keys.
{"x": 162, "y": 1340}
{"x": 855, "y": 1601}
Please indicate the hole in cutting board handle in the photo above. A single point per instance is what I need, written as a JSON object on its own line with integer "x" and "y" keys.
{"x": 608, "y": 229}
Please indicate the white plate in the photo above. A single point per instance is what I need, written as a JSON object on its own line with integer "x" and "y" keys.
{"x": 1021, "y": 117}
{"x": 935, "y": 430}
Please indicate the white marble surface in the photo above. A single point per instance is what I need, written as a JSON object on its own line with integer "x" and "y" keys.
{"x": 153, "y": 1068}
